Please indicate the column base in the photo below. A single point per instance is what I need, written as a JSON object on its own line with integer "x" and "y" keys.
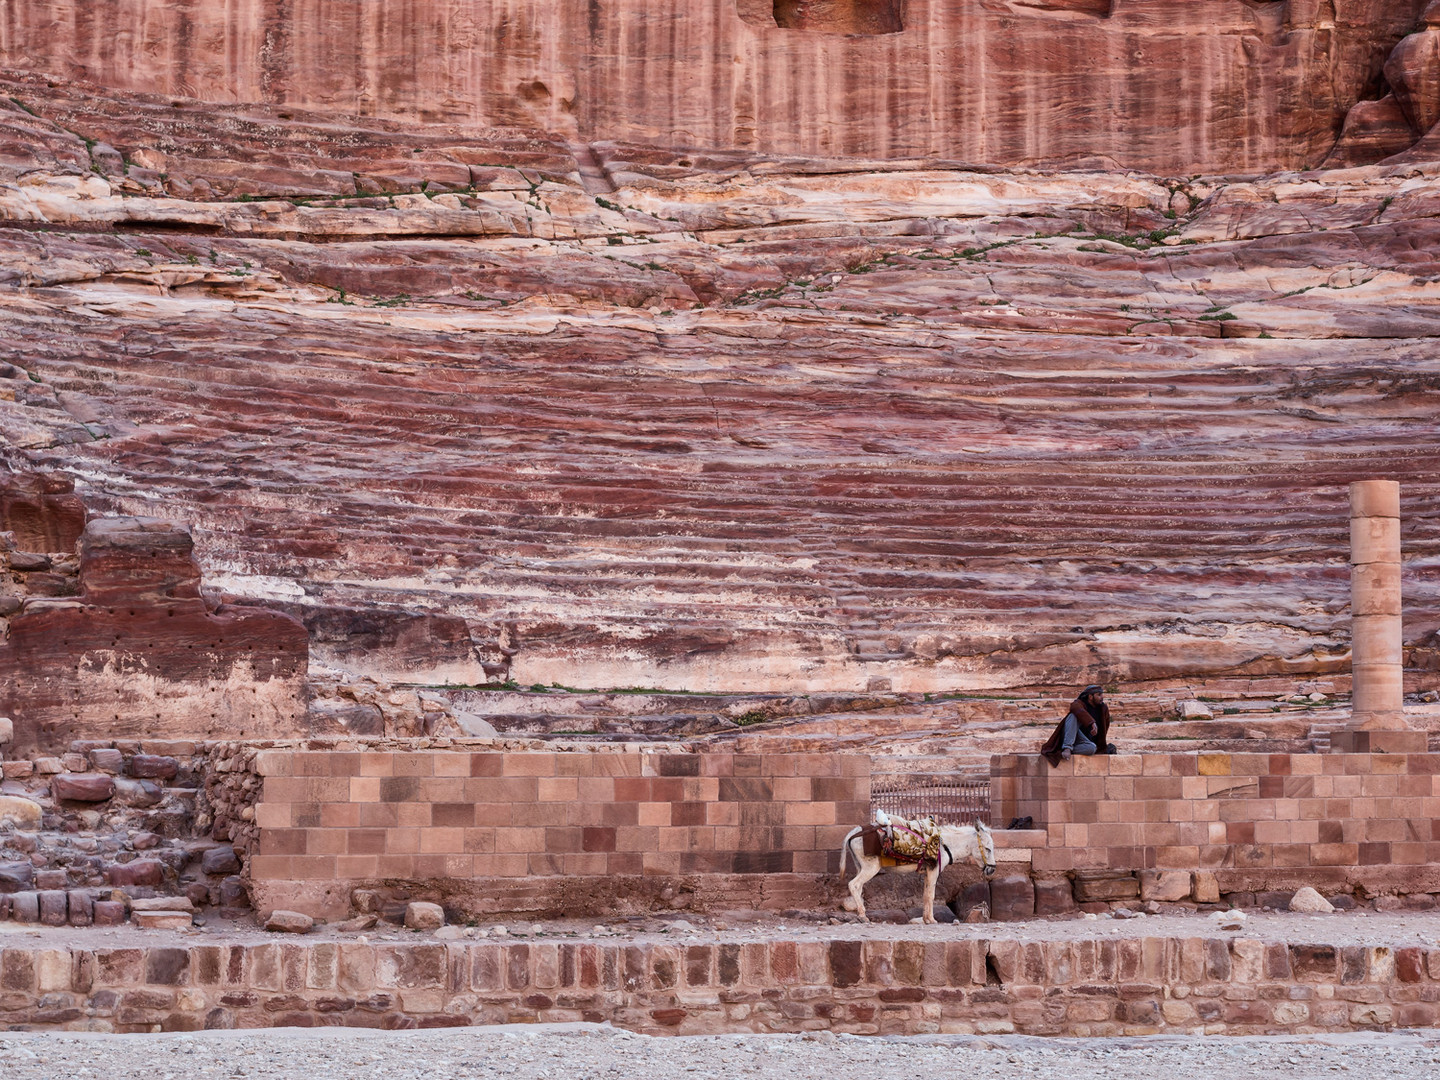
{"x": 1378, "y": 742}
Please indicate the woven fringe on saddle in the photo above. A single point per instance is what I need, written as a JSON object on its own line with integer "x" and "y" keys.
{"x": 906, "y": 840}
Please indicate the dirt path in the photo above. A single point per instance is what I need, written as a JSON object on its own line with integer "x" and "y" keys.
{"x": 1399, "y": 928}
{"x": 588, "y": 1052}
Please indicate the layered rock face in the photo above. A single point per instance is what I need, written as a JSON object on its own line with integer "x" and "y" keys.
{"x": 474, "y": 408}
{"x": 41, "y": 513}
{"x": 128, "y": 649}
{"x": 1161, "y": 85}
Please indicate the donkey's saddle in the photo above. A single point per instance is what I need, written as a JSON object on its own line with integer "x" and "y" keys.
{"x": 903, "y": 839}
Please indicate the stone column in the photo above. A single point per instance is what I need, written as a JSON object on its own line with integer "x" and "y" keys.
{"x": 1375, "y": 659}
{"x": 1376, "y": 662}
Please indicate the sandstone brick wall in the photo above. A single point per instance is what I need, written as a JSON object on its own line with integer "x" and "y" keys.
{"x": 900, "y": 984}
{"x": 1257, "y": 820}
{"x": 332, "y": 820}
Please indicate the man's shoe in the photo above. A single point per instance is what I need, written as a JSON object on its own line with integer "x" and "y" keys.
{"x": 1064, "y": 755}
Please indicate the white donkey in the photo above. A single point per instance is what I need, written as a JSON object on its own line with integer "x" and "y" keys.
{"x": 956, "y": 842}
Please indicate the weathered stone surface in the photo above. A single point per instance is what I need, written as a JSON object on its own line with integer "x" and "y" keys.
{"x": 163, "y": 920}
{"x": 108, "y": 761}
{"x": 42, "y": 511}
{"x": 25, "y": 907}
{"x": 80, "y": 908}
{"x": 1308, "y": 900}
{"x": 289, "y": 922}
{"x": 1054, "y": 896}
{"x": 16, "y": 876}
{"x": 153, "y": 767}
{"x": 1165, "y": 885}
{"x": 424, "y": 916}
{"x": 1012, "y": 897}
{"x": 109, "y": 912}
{"x": 83, "y": 787}
{"x": 973, "y": 900}
{"x": 1093, "y": 885}
{"x": 1205, "y": 888}
{"x": 137, "y": 792}
{"x": 27, "y": 560}
{"x": 232, "y": 893}
{"x": 149, "y": 872}
{"x": 162, "y": 903}
{"x": 1252, "y": 86}
{"x": 54, "y": 907}
{"x": 220, "y": 860}
{"x": 7, "y": 730}
{"x": 19, "y": 811}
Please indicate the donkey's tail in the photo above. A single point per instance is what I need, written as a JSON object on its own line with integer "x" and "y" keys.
{"x": 845, "y": 851}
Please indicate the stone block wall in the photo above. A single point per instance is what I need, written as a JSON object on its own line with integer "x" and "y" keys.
{"x": 895, "y": 984}
{"x": 488, "y": 831}
{"x": 1258, "y": 821}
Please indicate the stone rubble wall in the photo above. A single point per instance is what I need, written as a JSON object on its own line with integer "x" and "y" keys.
{"x": 878, "y": 986}
{"x": 486, "y": 830}
{"x": 84, "y": 833}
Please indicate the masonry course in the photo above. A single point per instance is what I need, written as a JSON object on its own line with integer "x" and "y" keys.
{"x": 895, "y": 982}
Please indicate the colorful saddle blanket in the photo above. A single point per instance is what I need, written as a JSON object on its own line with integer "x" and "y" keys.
{"x": 910, "y": 840}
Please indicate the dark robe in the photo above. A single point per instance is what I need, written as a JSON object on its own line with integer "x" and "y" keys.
{"x": 1101, "y": 725}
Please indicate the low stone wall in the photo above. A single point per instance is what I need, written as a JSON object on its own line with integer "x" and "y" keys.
{"x": 877, "y": 986}
{"x": 1258, "y": 822}
{"x": 552, "y": 832}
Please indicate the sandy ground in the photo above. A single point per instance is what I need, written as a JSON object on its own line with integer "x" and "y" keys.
{"x": 590, "y": 1052}
{"x": 1340, "y": 928}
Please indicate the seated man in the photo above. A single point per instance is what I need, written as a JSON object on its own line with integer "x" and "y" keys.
{"x": 1084, "y": 729}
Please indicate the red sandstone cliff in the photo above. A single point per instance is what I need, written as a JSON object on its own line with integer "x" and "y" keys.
{"x": 1182, "y": 86}
{"x": 727, "y": 421}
